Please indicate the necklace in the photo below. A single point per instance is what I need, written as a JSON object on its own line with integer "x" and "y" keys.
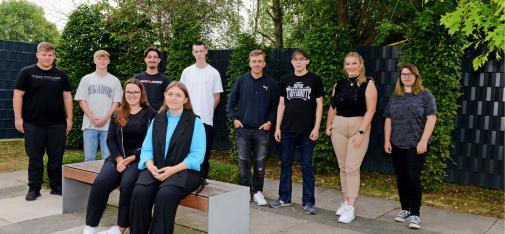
{"x": 352, "y": 83}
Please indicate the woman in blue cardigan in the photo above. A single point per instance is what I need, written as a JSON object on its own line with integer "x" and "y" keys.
{"x": 172, "y": 152}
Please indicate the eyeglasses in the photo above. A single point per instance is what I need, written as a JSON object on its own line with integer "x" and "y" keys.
{"x": 407, "y": 75}
{"x": 134, "y": 93}
{"x": 299, "y": 60}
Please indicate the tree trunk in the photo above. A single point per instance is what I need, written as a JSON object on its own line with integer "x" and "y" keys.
{"x": 341, "y": 12}
{"x": 277, "y": 18}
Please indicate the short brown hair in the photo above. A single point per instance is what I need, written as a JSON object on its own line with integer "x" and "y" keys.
{"x": 101, "y": 53}
{"x": 256, "y": 53}
{"x": 45, "y": 46}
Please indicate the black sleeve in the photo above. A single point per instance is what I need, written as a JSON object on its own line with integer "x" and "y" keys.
{"x": 320, "y": 89}
{"x": 231, "y": 105}
{"x": 274, "y": 102}
{"x": 112, "y": 139}
{"x": 22, "y": 80}
{"x": 66, "y": 83}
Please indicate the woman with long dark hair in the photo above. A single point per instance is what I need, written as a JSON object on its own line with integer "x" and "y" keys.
{"x": 126, "y": 133}
{"x": 172, "y": 152}
{"x": 410, "y": 120}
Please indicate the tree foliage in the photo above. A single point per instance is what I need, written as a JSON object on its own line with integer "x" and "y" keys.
{"x": 122, "y": 32}
{"x": 483, "y": 22}
{"x": 25, "y": 21}
{"x": 437, "y": 55}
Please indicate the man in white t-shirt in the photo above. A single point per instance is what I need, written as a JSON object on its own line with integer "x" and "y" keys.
{"x": 99, "y": 94}
{"x": 205, "y": 88}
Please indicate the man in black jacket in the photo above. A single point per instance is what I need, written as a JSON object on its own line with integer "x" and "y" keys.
{"x": 256, "y": 97}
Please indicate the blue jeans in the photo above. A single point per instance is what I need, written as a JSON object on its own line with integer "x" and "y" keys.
{"x": 252, "y": 145}
{"x": 288, "y": 144}
{"x": 92, "y": 138}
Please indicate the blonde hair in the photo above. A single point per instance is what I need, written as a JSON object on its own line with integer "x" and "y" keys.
{"x": 101, "y": 53}
{"x": 417, "y": 88}
{"x": 181, "y": 86}
{"x": 256, "y": 53}
{"x": 45, "y": 46}
{"x": 361, "y": 76}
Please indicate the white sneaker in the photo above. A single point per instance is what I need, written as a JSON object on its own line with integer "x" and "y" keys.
{"x": 112, "y": 230}
{"x": 348, "y": 215}
{"x": 341, "y": 209}
{"x": 259, "y": 199}
{"x": 89, "y": 230}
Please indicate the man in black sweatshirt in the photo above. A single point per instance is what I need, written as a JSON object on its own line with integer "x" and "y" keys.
{"x": 252, "y": 106}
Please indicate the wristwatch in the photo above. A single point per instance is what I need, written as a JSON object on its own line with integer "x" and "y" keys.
{"x": 361, "y": 132}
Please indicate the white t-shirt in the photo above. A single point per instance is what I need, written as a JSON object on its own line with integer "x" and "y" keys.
{"x": 202, "y": 84}
{"x": 99, "y": 92}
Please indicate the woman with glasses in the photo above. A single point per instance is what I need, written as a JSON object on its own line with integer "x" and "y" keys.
{"x": 348, "y": 123}
{"x": 410, "y": 119}
{"x": 126, "y": 133}
{"x": 172, "y": 153}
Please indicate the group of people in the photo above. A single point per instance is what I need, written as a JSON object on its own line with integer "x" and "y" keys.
{"x": 155, "y": 135}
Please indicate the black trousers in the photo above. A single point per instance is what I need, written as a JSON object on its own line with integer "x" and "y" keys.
{"x": 40, "y": 140}
{"x": 165, "y": 198}
{"x": 408, "y": 166}
{"x": 205, "y": 167}
{"x": 109, "y": 179}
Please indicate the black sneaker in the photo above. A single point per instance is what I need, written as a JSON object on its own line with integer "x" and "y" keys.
{"x": 32, "y": 195}
{"x": 56, "y": 191}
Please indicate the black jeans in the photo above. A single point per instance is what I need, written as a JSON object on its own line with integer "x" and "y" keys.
{"x": 165, "y": 198}
{"x": 109, "y": 179}
{"x": 408, "y": 166}
{"x": 252, "y": 145}
{"x": 205, "y": 167}
{"x": 39, "y": 140}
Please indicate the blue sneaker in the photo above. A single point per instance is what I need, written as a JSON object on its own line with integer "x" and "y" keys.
{"x": 310, "y": 209}
{"x": 279, "y": 203}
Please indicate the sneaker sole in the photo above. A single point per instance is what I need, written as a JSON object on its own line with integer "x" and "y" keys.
{"x": 398, "y": 219}
{"x": 414, "y": 226}
{"x": 261, "y": 204}
{"x": 283, "y": 205}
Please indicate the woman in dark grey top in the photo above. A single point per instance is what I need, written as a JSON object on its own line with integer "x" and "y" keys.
{"x": 410, "y": 119}
{"x": 127, "y": 131}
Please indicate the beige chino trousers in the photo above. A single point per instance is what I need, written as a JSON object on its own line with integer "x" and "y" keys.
{"x": 349, "y": 158}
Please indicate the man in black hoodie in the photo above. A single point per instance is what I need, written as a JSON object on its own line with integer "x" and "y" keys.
{"x": 252, "y": 106}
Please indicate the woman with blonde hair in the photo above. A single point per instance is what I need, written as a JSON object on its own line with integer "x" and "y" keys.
{"x": 172, "y": 152}
{"x": 410, "y": 119}
{"x": 353, "y": 105}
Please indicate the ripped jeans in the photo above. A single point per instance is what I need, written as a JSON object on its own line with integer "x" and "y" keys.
{"x": 252, "y": 145}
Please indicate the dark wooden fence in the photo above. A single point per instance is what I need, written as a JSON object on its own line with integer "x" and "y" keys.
{"x": 479, "y": 138}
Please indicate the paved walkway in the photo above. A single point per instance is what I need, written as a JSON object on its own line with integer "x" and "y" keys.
{"x": 374, "y": 215}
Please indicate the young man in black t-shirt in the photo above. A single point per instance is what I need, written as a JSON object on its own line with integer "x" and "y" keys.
{"x": 298, "y": 118}
{"x": 154, "y": 81}
{"x": 42, "y": 105}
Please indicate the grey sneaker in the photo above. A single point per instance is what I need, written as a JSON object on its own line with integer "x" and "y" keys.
{"x": 310, "y": 209}
{"x": 415, "y": 222}
{"x": 402, "y": 216}
{"x": 279, "y": 203}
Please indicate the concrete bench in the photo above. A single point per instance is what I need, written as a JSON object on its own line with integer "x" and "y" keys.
{"x": 227, "y": 205}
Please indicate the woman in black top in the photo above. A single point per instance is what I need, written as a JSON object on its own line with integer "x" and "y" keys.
{"x": 349, "y": 117}
{"x": 124, "y": 140}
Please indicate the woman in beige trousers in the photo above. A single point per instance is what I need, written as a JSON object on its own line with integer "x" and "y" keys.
{"x": 353, "y": 105}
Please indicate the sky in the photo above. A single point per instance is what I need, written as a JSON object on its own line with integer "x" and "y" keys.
{"x": 57, "y": 11}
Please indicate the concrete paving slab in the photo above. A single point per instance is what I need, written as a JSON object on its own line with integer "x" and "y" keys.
{"x": 13, "y": 179}
{"x": 4, "y": 222}
{"x": 263, "y": 222}
{"x": 497, "y": 228}
{"x": 17, "y": 209}
{"x": 192, "y": 218}
{"x": 439, "y": 220}
{"x": 373, "y": 208}
{"x": 315, "y": 228}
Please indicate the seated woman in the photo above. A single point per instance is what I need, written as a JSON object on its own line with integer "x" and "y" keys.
{"x": 172, "y": 153}
{"x": 126, "y": 133}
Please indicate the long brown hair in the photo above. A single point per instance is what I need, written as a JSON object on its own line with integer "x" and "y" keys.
{"x": 180, "y": 85}
{"x": 361, "y": 76}
{"x": 123, "y": 112}
{"x": 417, "y": 88}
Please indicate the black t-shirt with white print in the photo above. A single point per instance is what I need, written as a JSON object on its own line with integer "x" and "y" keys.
{"x": 300, "y": 94}
{"x": 43, "y": 99}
